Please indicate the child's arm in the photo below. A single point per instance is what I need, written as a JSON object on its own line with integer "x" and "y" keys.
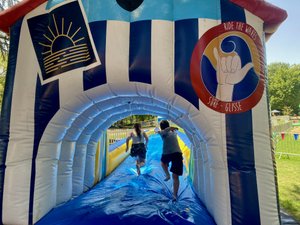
{"x": 127, "y": 141}
{"x": 168, "y": 129}
{"x": 146, "y": 139}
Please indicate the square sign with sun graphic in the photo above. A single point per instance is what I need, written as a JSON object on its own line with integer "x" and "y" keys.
{"x": 61, "y": 41}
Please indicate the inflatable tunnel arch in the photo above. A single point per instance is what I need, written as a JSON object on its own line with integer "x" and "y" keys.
{"x": 76, "y": 67}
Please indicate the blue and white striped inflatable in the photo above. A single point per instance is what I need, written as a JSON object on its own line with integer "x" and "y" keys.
{"x": 76, "y": 67}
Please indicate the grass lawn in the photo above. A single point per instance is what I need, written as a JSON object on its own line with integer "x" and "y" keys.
{"x": 288, "y": 173}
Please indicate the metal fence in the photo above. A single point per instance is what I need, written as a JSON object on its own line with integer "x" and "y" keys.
{"x": 282, "y": 127}
{"x": 286, "y": 143}
{"x": 114, "y": 135}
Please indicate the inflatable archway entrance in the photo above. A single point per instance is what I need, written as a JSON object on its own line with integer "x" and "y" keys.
{"x": 75, "y": 67}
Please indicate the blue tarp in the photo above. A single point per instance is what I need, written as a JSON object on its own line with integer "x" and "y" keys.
{"x": 125, "y": 198}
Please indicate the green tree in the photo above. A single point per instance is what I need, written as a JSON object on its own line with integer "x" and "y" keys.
{"x": 4, "y": 40}
{"x": 130, "y": 120}
{"x": 284, "y": 86}
{"x": 4, "y": 46}
{"x": 2, "y": 81}
{"x": 3, "y": 63}
{"x": 287, "y": 110}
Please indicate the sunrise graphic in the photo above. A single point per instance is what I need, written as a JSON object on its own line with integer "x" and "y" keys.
{"x": 62, "y": 41}
{"x": 62, "y": 47}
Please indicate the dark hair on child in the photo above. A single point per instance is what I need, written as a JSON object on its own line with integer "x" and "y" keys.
{"x": 137, "y": 128}
{"x": 164, "y": 124}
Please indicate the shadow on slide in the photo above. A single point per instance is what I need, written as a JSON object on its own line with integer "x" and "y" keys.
{"x": 125, "y": 198}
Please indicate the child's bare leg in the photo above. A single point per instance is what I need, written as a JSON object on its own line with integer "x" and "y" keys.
{"x": 138, "y": 165}
{"x": 175, "y": 185}
{"x": 142, "y": 162}
{"x": 166, "y": 170}
{"x": 138, "y": 170}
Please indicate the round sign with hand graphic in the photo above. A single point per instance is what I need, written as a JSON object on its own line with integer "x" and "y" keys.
{"x": 227, "y": 68}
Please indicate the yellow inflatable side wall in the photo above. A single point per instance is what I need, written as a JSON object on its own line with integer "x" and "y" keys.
{"x": 115, "y": 157}
{"x": 186, "y": 154}
{"x": 97, "y": 163}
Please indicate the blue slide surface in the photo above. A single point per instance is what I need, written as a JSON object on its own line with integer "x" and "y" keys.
{"x": 125, "y": 198}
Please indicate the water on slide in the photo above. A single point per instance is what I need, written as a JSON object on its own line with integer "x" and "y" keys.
{"x": 125, "y": 198}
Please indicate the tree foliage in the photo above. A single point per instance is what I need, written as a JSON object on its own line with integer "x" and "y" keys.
{"x": 3, "y": 65}
{"x": 284, "y": 87}
{"x": 4, "y": 40}
{"x": 130, "y": 120}
{"x": 2, "y": 78}
{"x": 4, "y": 46}
{"x": 4, "y": 4}
{"x": 2, "y": 82}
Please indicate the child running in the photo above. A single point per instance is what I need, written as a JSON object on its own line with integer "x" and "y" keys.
{"x": 138, "y": 147}
{"x": 171, "y": 153}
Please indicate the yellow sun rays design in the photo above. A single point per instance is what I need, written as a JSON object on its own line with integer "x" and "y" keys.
{"x": 62, "y": 47}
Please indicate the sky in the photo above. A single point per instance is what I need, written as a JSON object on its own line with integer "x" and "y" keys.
{"x": 284, "y": 44}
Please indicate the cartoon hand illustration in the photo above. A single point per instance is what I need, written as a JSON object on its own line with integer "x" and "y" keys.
{"x": 229, "y": 72}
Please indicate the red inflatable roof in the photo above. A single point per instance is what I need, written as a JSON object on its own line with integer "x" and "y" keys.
{"x": 270, "y": 14}
{"x": 10, "y": 16}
